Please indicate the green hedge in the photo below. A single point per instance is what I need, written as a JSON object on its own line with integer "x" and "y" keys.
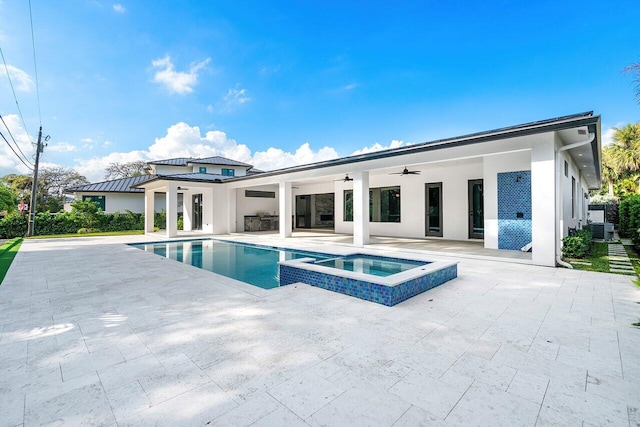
{"x": 71, "y": 222}
{"x": 577, "y": 246}
{"x": 629, "y": 214}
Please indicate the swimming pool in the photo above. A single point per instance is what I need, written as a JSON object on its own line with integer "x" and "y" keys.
{"x": 375, "y": 265}
{"x": 379, "y": 279}
{"x": 256, "y": 265}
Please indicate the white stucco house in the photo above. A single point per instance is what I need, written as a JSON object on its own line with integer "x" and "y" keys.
{"x": 523, "y": 185}
{"x": 121, "y": 194}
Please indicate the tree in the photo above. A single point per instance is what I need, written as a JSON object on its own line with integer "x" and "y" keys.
{"x": 52, "y": 183}
{"x": 8, "y": 199}
{"x": 634, "y": 69}
{"x": 621, "y": 161}
{"x": 126, "y": 170}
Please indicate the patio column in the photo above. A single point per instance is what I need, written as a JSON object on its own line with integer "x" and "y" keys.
{"x": 285, "y": 209}
{"x": 187, "y": 211}
{"x": 543, "y": 194}
{"x": 172, "y": 209}
{"x": 360, "y": 209}
{"x": 149, "y": 210}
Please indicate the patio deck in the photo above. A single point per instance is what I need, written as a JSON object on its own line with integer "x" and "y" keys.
{"x": 95, "y": 332}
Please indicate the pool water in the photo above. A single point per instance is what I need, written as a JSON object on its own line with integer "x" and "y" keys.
{"x": 256, "y": 265}
{"x": 371, "y": 264}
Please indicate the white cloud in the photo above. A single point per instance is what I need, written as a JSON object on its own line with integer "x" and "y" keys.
{"x": 9, "y": 162}
{"x": 350, "y": 86}
{"x": 607, "y": 136}
{"x": 118, "y": 8}
{"x": 378, "y": 147}
{"x": 234, "y": 97}
{"x": 276, "y": 158}
{"x": 20, "y": 79}
{"x": 179, "y": 82}
{"x": 62, "y": 147}
{"x": 183, "y": 140}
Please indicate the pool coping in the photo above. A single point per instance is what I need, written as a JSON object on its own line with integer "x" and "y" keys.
{"x": 390, "y": 281}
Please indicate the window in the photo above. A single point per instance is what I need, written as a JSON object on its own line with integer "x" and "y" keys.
{"x": 384, "y": 204}
{"x": 573, "y": 197}
{"x": 566, "y": 169}
{"x": 348, "y": 206}
{"x": 100, "y": 200}
{"x": 228, "y": 172}
{"x": 203, "y": 169}
{"x": 263, "y": 194}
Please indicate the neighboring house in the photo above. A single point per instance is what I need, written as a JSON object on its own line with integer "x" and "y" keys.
{"x": 508, "y": 188}
{"x": 120, "y": 195}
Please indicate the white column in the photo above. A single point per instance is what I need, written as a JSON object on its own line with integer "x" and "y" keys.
{"x": 361, "y": 209}
{"x": 172, "y": 209}
{"x": 187, "y": 211}
{"x": 543, "y": 203}
{"x": 149, "y": 210}
{"x": 284, "y": 213}
{"x": 232, "y": 211}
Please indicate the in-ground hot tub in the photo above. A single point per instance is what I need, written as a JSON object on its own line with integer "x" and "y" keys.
{"x": 383, "y": 280}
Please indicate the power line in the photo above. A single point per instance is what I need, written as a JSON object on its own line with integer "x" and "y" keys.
{"x": 14, "y": 93}
{"x": 35, "y": 64}
{"x": 14, "y": 140}
{"x": 14, "y": 152}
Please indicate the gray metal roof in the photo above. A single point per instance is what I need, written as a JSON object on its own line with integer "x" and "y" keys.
{"x": 531, "y": 128}
{"x": 184, "y": 161}
{"x": 122, "y": 185}
{"x": 192, "y": 177}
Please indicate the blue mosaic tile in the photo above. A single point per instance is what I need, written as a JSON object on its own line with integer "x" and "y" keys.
{"x": 514, "y": 198}
{"x": 381, "y": 294}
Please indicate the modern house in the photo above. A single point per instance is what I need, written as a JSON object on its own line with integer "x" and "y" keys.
{"x": 121, "y": 195}
{"x": 517, "y": 187}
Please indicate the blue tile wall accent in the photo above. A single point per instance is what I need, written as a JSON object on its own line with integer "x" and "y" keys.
{"x": 381, "y": 294}
{"x": 514, "y": 196}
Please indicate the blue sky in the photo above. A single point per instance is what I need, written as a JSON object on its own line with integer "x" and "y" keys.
{"x": 278, "y": 83}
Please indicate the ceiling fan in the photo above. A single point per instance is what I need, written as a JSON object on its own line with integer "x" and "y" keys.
{"x": 406, "y": 172}
{"x": 345, "y": 179}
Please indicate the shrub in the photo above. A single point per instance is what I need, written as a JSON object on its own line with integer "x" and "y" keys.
{"x": 574, "y": 247}
{"x": 629, "y": 213}
{"x": 180, "y": 223}
{"x": 577, "y": 246}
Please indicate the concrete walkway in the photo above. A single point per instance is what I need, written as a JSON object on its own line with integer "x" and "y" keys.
{"x": 93, "y": 332}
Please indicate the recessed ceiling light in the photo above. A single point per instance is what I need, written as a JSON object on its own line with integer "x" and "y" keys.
{"x": 580, "y": 155}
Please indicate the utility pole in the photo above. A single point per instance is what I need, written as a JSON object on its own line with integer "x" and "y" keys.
{"x": 34, "y": 187}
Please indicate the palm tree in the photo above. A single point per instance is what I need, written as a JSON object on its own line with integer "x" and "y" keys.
{"x": 621, "y": 160}
{"x": 610, "y": 173}
{"x": 635, "y": 70}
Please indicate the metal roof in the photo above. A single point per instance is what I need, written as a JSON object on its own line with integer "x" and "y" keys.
{"x": 192, "y": 177}
{"x": 122, "y": 185}
{"x": 531, "y": 128}
{"x": 184, "y": 161}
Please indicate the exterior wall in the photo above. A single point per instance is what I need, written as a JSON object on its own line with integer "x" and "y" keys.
{"x": 579, "y": 217}
{"x": 253, "y": 205}
{"x": 126, "y": 201}
{"x": 454, "y": 180}
{"x": 514, "y": 209}
{"x": 216, "y": 169}
{"x": 169, "y": 170}
{"x": 493, "y": 165}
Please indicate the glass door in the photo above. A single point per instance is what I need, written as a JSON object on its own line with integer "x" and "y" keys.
{"x": 433, "y": 209}
{"x": 196, "y": 223}
{"x": 303, "y": 211}
{"x": 476, "y": 209}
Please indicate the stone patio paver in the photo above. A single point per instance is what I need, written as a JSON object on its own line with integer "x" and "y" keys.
{"x": 95, "y": 332}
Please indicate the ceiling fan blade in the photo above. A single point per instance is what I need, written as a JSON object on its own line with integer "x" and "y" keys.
{"x": 413, "y": 173}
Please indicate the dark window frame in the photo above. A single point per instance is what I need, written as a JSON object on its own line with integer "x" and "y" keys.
{"x": 393, "y": 193}
{"x": 228, "y": 172}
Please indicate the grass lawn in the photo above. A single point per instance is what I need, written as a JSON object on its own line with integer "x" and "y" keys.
{"x": 597, "y": 259}
{"x": 104, "y": 233}
{"x": 8, "y": 252}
